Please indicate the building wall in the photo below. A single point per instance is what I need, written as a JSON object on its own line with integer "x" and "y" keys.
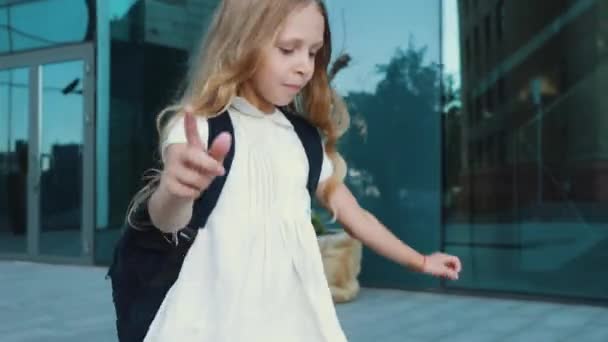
{"x": 532, "y": 199}
{"x": 508, "y": 240}
{"x": 554, "y": 43}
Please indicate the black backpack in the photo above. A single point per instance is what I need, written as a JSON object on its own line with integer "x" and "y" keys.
{"x": 147, "y": 261}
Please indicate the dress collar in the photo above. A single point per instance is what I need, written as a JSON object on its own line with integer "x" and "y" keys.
{"x": 241, "y": 105}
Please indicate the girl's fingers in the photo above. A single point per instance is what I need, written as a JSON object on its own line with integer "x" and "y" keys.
{"x": 202, "y": 162}
{"x": 191, "y": 127}
{"x": 452, "y": 262}
{"x": 457, "y": 264}
{"x": 191, "y": 178}
{"x": 220, "y": 146}
{"x": 182, "y": 190}
{"x": 449, "y": 274}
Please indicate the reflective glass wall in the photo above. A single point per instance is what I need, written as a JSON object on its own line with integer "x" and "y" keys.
{"x": 41, "y": 169}
{"x": 525, "y": 147}
{"x": 14, "y": 118}
{"x": 37, "y": 24}
{"x": 476, "y": 128}
{"x": 147, "y": 56}
{"x": 391, "y": 86}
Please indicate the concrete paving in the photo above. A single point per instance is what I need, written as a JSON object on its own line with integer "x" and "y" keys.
{"x": 52, "y": 303}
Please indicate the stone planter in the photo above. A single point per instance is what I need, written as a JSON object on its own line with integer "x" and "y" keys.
{"x": 342, "y": 263}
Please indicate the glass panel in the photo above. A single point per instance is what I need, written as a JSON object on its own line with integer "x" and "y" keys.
{"x": 19, "y": 32}
{"x": 150, "y": 45}
{"x": 391, "y": 87}
{"x": 527, "y": 151}
{"x": 60, "y": 158}
{"x": 394, "y": 109}
{"x": 14, "y": 126}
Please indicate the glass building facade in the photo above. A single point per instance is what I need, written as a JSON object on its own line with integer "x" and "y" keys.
{"x": 525, "y": 152}
{"x": 476, "y": 129}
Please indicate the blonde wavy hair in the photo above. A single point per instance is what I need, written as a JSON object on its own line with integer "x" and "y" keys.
{"x": 229, "y": 55}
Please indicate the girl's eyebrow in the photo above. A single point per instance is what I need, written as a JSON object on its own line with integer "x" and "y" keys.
{"x": 299, "y": 42}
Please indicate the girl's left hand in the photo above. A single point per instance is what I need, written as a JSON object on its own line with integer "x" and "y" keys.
{"x": 442, "y": 265}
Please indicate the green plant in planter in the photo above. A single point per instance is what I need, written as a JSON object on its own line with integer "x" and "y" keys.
{"x": 320, "y": 228}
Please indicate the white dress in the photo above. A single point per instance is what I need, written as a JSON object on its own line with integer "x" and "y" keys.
{"x": 254, "y": 273}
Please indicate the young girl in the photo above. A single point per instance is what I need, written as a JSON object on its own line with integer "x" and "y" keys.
{"x": 254, "y": 272}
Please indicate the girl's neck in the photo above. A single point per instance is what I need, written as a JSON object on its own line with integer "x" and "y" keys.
{"x": 249, "y": 93}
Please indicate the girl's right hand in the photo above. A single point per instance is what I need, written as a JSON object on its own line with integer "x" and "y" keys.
{"x": 442, "y": 265}
{"x": 189, "y": 168}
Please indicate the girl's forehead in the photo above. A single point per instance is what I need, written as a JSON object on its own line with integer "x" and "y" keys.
{"x": 303, "y": 24}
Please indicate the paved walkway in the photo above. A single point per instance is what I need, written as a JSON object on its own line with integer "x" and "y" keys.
{"x": 50, "y": 303}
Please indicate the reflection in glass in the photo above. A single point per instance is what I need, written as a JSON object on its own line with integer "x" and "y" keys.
{"x": 150, "y": 45}
{"x": 391, "y": 88}
{"x": 525, "y": 153}
{"x": 14, "y": 124}
{"x": 61, "y": 159}
{"x": 394, "y": 108}
{"x": 19, "y": 32}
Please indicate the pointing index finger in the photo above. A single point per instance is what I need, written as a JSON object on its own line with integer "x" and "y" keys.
{"x": 190, "y": 125}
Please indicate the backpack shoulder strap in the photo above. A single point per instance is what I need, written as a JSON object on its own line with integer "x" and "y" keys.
{"x": 145, "y": 261}
{"x": 206, "y": 203}
{"x": 311, "y": 140}
{"x": 203, "y": 206}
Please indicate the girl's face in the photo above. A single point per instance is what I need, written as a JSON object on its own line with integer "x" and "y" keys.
{"x": 289, "y": 63}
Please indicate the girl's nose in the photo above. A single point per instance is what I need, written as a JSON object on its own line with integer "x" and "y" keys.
{"x": 306, "y": 64}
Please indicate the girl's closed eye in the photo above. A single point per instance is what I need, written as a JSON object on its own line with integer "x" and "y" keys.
{"x": 286, "y": 51}
{"x": 290, "y": 51}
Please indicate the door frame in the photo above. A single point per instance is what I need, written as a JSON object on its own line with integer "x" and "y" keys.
{"x": 33, "y": 61}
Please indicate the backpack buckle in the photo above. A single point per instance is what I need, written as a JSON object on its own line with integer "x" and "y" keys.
{"x": 188, "y": 234}
{"x": 185, "y": 235}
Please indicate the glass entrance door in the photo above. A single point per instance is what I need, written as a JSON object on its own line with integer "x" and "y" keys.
{"x": 46, "y": 156}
